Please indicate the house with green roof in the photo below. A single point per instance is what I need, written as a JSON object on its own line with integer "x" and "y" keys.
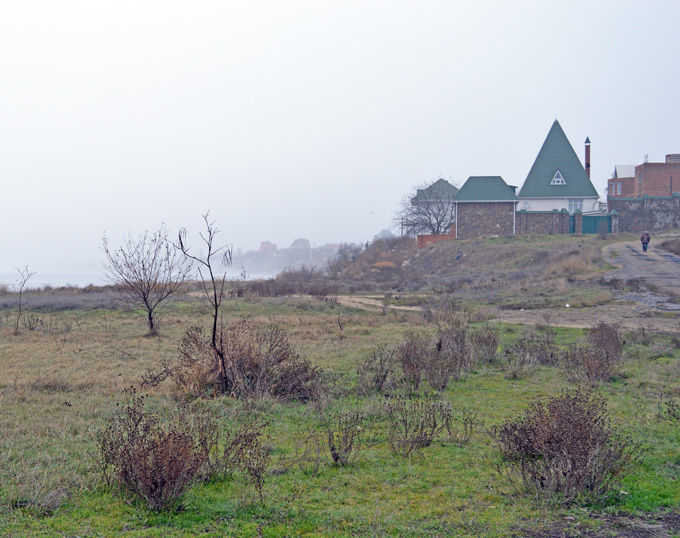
{"x": 485, "y": 205}
{"x": 557, "y": 180}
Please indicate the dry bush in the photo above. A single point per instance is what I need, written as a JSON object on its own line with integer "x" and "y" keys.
{"x": 672, "y": 246}
{"x": 37, "y": 489}
{"x": 154, "y": 459}
{"x": 671, "y": 411}
{"x": 462, "y": 424}
{"x": 245, "y": 450}
{"x": 413, "y": 423}
{"x": 539, "y": 342}
{"x": 577, "y": 260}
{"x": 411, "y": 355}
{"x": 259, "y": 362}
{"x": 566, "y": 450}
{"x": 588, "y": 364}
{"x": 449, "y": 356}
{"x": 607, "y": 338}
{"x": 377, "y": 372}
{"x": 344, "y": 432}
{"x": 597, "y": 361}
{"x": 484, "y": 341}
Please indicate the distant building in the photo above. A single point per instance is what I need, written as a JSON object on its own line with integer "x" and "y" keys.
{"x": 657, "y": 179}
{"x": 622, "y": 182}
{"x": 557, "y": 180}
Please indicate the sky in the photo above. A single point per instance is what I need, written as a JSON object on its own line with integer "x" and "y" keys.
{"x": 304, "y": 118}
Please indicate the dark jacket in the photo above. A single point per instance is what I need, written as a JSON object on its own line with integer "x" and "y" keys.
{"x": 645, "y": 238}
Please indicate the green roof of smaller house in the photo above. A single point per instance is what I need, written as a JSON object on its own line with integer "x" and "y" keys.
{"x": 439, "y": 190}
{"x": 486, "y": 189}
{"x": 557, "y": 155}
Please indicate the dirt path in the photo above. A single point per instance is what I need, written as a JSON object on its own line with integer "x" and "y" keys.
{"x": 657, "y": 267}
{"x": 654, "y": 311}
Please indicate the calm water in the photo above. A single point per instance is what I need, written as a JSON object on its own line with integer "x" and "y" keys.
{"x": 80, "y": 280}
{"x": 39, "y": 280}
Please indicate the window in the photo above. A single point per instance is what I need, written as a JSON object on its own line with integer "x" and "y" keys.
{"x": 639, "y": 178}
{"x": 574, "y": 205}
{"x": 618, "y": 188}
{"x": 558, "y": 179}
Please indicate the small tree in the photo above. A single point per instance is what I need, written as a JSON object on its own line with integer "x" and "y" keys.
{"x": 213, "y": 284}
{"x": 24, "y": 276}
{"x": 428, "y": 209}
{"x": 147, "y": 270}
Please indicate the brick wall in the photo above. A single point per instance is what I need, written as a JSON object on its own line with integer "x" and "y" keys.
{"x": 542, "y": 222}
{"x": 647, "y": 213}
{"x": 478, "y": 219}
{"x": 656, "y": 179}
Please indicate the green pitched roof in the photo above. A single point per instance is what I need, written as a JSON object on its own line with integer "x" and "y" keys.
{"x": 557, "y": 155}
{"x": 486, "y": 189}
{"x": 439, "y": 190}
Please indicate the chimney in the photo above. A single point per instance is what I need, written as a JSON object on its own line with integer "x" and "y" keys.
{"x": 588, "y": 156}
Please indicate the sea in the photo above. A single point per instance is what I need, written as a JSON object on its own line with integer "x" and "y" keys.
{"x": 81, "y": 280}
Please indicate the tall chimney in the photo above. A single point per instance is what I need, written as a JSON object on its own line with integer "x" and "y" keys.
{"x": 588, "y": 156}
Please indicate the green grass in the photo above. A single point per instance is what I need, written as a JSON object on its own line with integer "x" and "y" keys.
{"x": 58, "y": 388}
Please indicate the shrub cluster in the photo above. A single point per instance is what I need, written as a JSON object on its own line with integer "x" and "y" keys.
{"x": 565, "y": 448}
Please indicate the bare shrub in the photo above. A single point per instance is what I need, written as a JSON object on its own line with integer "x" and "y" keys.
{"x": 518, "y": 362}
{"x": 344, "y": 432}
{"x": 413, "y": 423}
{"x": 153, "y": 459}
{"x": 566, "y": 450}
{"x": 607, "y": 338}
{"x": 671, "y": 411}
{"x": 462, "y": 424}
{"x": 539, "y": 342}
{"x": 453, "y": 345}
{"x": 377, "y": 372}
{"x": 245, "y": 450}
{"x": 589, "y": 364}
{"x": 261, "y": 361}
{"x": 484, "y": 341}
{"x": 37, "y": 489}
{"x": 411, "y": 355}
{"x": 256, "y": 361}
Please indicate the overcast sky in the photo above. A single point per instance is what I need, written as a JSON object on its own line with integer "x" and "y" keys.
{"x": 307, "y": 118}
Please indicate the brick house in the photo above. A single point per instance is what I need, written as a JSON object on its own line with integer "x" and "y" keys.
{"x": 657, "y": 179}
{"x": 557, "y": 179}
{"x": 622, "y": 182}
{"x": 485, "y": 205}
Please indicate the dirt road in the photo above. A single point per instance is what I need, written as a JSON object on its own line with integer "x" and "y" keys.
{"x": 656, "y": 311}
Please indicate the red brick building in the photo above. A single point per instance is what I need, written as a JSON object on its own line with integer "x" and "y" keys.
{"x": 622, "y": 182}
{"x": 657, "y": 179}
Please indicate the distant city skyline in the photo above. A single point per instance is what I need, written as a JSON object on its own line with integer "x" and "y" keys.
{"x": 304, "y": 119}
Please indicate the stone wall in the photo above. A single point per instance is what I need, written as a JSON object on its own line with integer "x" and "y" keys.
{"x": 479, "y": 219}
{"x": 646, "y": 213}
{"x": 542, "y": 222}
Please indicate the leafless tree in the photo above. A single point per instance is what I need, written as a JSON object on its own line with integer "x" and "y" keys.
{"x": 213, "y": 283}
{"x": 24, "y": 276}
{"x": 427, "y": 209}
{"x": 147, "y": 270}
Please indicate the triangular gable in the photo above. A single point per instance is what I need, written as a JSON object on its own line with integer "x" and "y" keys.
{"x": 486, "y": 189}
{"x": 439, "y": 190}
{"x": 555, "y": 155}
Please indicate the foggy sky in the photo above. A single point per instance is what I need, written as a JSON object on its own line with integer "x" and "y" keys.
{"x": 304, "y": 118}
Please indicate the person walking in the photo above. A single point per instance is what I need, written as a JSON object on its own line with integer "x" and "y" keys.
{"x": 644, "y": 238}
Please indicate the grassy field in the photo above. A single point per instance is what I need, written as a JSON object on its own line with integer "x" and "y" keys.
{"x": 62, "y": 377}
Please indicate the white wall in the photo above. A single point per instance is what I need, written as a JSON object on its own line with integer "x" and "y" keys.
{"x": 548, "y": 204}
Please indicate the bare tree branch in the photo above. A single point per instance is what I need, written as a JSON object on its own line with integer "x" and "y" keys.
{"x": 427, "y": 209}
{"x": 24, "y": 276}
{"x": 213, "y": 285}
